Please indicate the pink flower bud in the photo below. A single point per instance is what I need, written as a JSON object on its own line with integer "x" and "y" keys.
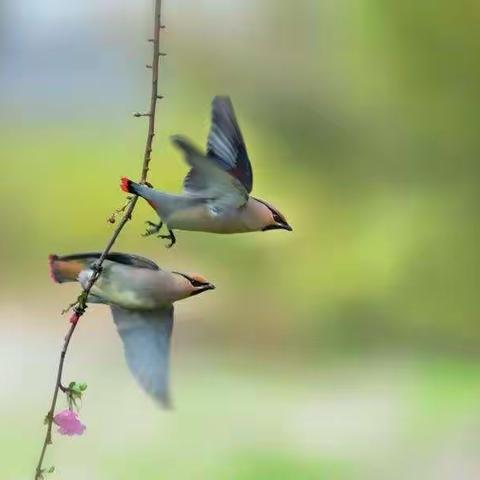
{"x": 69, "y": 423}
{"x": 74, "y": 318}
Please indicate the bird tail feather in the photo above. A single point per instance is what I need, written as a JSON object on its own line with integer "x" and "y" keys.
{"x": 65, "y": 269}
{"x": 128, "y": 186}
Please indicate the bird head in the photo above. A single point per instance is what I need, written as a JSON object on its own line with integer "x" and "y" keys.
{"x": 270, "y": 217}
{"x": 193, "y": 283}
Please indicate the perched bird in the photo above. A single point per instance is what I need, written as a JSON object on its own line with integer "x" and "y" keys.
{"x": 216, "y": 191}
{"x": 141, "y": 297}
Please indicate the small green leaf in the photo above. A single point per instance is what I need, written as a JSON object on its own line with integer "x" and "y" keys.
{"x": 51, "y": 469}
{"x": 82, "y": 386}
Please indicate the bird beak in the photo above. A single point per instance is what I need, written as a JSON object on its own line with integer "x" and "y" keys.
{"x": 278, "y": 226}
{"x": 203, "y": 288}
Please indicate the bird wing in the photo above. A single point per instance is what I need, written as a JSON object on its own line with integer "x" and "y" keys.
{"x": 146, "y": 342}
{"x": 225, "y": 143}
{"x": 208, "y": 179}
{"x": 125, "y": 258}
{"x": 133, "y": 260}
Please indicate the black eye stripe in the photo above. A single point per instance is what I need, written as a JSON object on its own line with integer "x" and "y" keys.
{"x": 277, "y": 217}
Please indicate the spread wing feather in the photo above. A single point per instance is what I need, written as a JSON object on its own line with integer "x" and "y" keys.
{"x": 225, "y": 142}
{"x": 208, "y": 180}
{"x": 146, "y": 341}
{"x": 224, "y": 175}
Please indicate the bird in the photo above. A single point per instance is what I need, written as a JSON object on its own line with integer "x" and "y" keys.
{"x": 141, "y": 296}
{"x": 216, "y": 191}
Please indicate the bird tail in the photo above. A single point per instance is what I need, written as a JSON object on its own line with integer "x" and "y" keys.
{"x": 142, "y": 189}
{"x": 65, "y": 269}
{"x": 128, "y": 186}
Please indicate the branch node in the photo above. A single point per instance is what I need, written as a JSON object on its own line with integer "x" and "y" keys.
{"x": 97, "y": 269}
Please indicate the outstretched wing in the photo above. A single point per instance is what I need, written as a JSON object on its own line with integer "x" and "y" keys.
{"x": 208, "y": 179}
{"x": 146, "y": 342}
{"x": 225, "y": 142}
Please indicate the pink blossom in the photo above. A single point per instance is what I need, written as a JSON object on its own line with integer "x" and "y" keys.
{"x": 69, "y": 423}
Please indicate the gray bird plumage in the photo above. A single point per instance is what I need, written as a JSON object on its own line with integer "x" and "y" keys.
{"x": 146, "y": 343}
{"x": 225, "y": 142}
{"x": 216, "y": 191}
{"x": 141, "y": 296}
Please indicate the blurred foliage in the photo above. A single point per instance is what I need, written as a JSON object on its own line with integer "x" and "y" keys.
{"x": 360, "y": 119}
{"x": 361, "y": 124}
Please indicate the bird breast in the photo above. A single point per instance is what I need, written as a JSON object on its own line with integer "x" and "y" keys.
{"x": 134, "y": 288}
{"x": 207, "y": 217}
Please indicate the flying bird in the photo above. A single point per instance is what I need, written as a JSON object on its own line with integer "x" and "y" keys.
{"x": 216, "y": 191}
{"x": 141, "y": 296}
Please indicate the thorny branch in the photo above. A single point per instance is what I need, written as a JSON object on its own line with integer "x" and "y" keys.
{"x": 81, "y": 303}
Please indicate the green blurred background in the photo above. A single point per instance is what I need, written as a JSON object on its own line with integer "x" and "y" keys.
{"x": 346, "y": 350}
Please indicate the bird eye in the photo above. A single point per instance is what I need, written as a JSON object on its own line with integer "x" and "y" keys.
{"x": 196, "y": 283}
{"x": 277, "y": 217}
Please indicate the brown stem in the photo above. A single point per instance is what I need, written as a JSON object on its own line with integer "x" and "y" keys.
{"x": 49, "y": 417}
{"x": 154, "y": 95}
{"x": 82, "y": 299}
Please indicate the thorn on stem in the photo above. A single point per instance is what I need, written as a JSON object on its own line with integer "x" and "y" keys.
{"x": 80, "y": 305}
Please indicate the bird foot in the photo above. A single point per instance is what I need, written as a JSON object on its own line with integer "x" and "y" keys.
{"x": 152, "y": 228}
{"x": 170, "y": 236}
